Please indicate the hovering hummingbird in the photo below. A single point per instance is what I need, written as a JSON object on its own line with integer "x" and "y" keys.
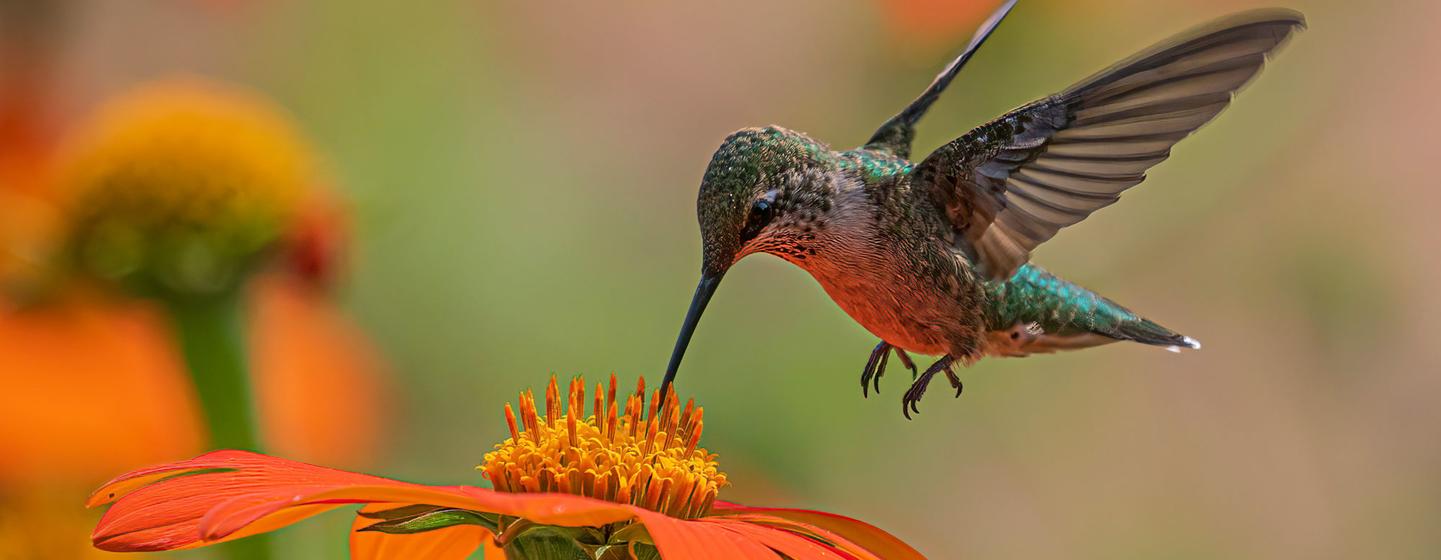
{"x": 932, "y": 256}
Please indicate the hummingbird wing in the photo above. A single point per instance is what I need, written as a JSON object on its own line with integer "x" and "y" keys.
{"x": 895, "y": 135}
{"x": 1011, "y": 184}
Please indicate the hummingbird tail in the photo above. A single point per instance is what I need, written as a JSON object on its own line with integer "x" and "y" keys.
{"x": 1035, "y": 312}
{"x": 1145, "y": 331}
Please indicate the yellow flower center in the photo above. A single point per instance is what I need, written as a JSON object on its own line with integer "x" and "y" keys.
{"x": 641, "y": 455}
{"x": 183, "y": 184}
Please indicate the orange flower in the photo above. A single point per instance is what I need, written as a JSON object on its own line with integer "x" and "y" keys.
{"x": 27, "y": 140}
{"x": 95, "y": 384}
{"x": 110, "y": 366}
{"x": 622, "y": 479}
{"x": 110, "y": 362}
{"x": 301, "y": 345}
{"x": 181, "y": 188}
{"x": 34, "y": 525}
{"x": 936, "y": 21}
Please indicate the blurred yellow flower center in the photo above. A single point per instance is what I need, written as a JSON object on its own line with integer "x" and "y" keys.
{"x": 645, "y": 456}
{"x": 183, "y": 183}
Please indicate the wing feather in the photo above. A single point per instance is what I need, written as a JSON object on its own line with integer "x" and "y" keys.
{"x": 1011, "y": 184}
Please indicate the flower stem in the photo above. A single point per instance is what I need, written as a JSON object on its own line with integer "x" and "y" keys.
{"x": 211, "y": 334}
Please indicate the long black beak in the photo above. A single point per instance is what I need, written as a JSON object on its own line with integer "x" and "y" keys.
{"x": 703, "y": 292}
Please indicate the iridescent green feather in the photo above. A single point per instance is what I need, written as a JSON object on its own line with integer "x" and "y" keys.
{"x": 1059, "y": 307}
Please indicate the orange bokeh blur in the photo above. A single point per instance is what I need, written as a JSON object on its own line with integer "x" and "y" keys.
{"x": 105, "y": 388}
{"x": 102, "y": 386}
{"x": 935, "y": 21}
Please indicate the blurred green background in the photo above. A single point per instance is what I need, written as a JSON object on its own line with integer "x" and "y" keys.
{"x": 524, "y": 176}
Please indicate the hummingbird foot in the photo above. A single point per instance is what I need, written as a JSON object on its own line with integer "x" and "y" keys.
{"x": 918, "y": 389}
{"x": 876, "y": 366}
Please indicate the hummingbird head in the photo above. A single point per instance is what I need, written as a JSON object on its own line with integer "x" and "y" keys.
{"x": 762, "y": 192}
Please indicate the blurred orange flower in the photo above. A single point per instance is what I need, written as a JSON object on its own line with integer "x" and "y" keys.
{"x": 619, "y": 483}
{"x": 303, "y": 346}
{"x": 96, "y": 382}
{"x": 35, "y": 525}
{"x": 936, "y": 21}
{"x": 27, "y": 146}
{"x": 101, "y": 386}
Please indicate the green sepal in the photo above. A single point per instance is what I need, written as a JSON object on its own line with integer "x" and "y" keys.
{"x": 618, "y": 546}
{"x": 646, "y": 552}
{"x": 552, "y": 543}
{"x": 633, "y": 532}
{"x": 623, "y": 552}
{"x": 401, "y": 512}
{"x": 430, "y": 521}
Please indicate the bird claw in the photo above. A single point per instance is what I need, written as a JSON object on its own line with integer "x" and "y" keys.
{"x": 876, "y": 367}
{"x": 873, "y": 369}
{"x": 909, "y": 403}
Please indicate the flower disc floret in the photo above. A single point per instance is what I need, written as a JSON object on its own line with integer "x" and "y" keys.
{"x": 639, "y": 454}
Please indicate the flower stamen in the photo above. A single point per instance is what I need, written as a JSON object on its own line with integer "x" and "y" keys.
{"x": 510, "y": 422}
{"x": 647, "y": 456}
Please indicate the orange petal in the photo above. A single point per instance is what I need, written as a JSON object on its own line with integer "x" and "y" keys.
{"x": 128, "y": 402}
{"x": 452, "y": 543}
{"x": 303, "y": 345}
{"x": 228, "y": 494}
{"x": 546, "y": 509}
{"x": 832, "y": 540}
{"x": 205, "y": 466}
{"x": 160, "y": 508}
{"x": 870, "y": 540}
{"x": 112, "y": 371}
{"x": 785, "y": 542}
{"x": 695, "y": 540}
{"x": 488, "y": 549}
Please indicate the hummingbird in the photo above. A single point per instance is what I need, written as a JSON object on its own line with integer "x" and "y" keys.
{"x": 933, "y": 256}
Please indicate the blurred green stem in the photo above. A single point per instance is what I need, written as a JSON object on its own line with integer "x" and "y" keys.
{"x": 211, "y": 333}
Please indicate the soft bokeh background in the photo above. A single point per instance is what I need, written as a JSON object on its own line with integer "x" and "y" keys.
{"x": 523, "y": 177}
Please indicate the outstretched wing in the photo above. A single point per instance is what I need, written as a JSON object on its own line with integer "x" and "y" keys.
{"x": 895, "y": 135}
{"x": 1009, "y": 185}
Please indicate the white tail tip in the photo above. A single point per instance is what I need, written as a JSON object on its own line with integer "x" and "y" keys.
{"x": 1189, "y": 343}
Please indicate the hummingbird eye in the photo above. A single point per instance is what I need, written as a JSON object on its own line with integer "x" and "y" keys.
{"x": 762, "y": 210}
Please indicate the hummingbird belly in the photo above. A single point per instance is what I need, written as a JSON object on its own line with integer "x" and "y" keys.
{"x": 926, "y": 305}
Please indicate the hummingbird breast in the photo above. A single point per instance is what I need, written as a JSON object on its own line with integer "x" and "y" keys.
{"x": 887, "y": 261}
